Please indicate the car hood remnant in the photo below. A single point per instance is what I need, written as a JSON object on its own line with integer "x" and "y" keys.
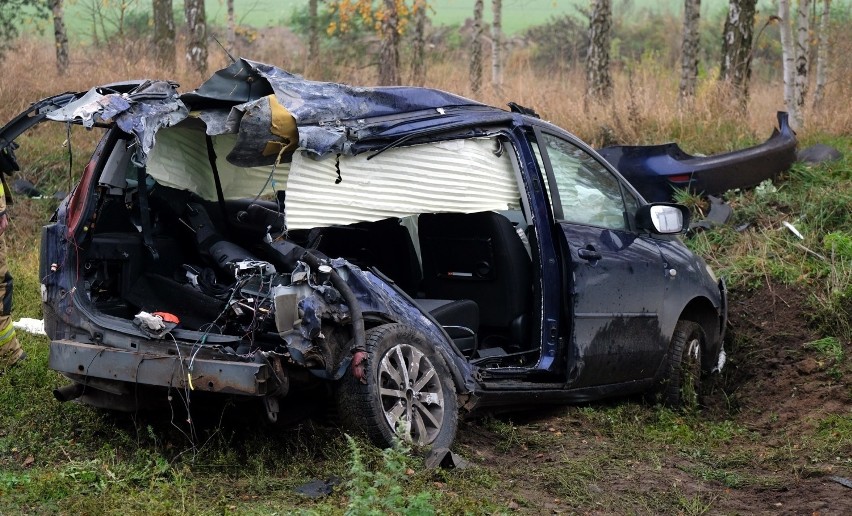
{"x": 658, "y": 170}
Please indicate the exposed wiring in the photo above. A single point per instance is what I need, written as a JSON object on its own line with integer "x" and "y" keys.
{"x": 271, "y": 173}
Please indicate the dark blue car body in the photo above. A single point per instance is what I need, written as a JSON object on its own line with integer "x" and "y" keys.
{"x": 605, "y": 301}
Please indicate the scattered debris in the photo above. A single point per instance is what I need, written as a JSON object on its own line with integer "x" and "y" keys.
{"x": 318, "y": 488}
{"x": 29, "y": 325}
{"x": 793, "y": 229}
{"x": 720, "y": 213}
{"x": 845, "y": 482}
{"x": 819, "y": 153}
{"x": 445, "y": 459}
{"x": 151, "y": 324}
{"x": 24, "y": 187}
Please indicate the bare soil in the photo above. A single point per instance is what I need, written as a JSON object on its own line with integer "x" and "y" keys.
{"x": 774, "y": 389}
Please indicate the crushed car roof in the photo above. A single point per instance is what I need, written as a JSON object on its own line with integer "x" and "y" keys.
{"x": 261, "y": 103}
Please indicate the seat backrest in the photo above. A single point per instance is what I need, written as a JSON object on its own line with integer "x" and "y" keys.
{"x": 477, "y": 256}
{"x": 384, "y": 244}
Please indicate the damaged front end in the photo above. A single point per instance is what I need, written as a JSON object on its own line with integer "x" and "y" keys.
{"x": 170, "y": 266}
{"x": 273, "y": 331}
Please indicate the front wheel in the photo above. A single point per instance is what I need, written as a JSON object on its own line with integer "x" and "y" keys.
{"x": 407, "y": 391}
{"x": 683, "y": 377}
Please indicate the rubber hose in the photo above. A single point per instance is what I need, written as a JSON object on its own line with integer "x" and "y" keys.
{"x": 349, "y": 297}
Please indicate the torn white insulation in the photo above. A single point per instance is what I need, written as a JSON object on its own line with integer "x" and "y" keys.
{"x": 462, "y": 176}
{"x": 179, "y": 160}
{"x": 29, "y": 325}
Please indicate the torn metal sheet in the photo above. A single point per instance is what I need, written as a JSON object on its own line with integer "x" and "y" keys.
{"x": 317, "y": 107}
{"x": 149, "y": 108}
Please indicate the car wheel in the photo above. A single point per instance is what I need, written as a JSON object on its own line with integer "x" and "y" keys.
{"x": 406, "y": 391}
{"x": 683, "y": 380}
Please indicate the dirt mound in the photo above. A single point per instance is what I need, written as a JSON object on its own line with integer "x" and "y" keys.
{"x": 774, "y": 378}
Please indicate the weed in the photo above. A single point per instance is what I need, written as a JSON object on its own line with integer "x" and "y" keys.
{"x": 380, "y": 492}
{"x": 828, "y": 348}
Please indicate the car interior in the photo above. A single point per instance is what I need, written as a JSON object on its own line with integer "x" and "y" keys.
{"x": 471, "y": 271}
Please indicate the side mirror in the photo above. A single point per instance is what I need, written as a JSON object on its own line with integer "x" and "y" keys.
{"x": 663, "y": 218}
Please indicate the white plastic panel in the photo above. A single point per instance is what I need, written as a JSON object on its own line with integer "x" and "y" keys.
{"x": 463, "y": 176}
{"x": 179, "y": 160}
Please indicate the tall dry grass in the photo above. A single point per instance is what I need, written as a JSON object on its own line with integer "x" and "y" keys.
{"x": 645, "y": 107}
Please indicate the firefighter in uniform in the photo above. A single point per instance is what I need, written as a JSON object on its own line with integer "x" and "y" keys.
{"x": 10, "y": 350}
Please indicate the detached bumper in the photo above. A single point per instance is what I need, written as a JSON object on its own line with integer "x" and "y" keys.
{"x": 111, "y": 364}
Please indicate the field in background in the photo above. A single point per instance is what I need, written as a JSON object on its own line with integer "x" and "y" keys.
{"x": 518, "y": 14}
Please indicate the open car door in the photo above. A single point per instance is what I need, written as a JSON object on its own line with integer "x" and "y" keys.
{"x": 616, "y": 278}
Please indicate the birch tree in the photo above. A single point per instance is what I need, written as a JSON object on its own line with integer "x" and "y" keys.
{"x": 476, "y": 48}
{"x": 497, "y": 45}
{"x": 736, "y": 48}
{"x": 598, "y": 79}
{"x": 196, "y": 44}
{"x": 60, "y": 36}
{"x": 802, "y": 48}
{"x": 689, "y": 48}
{"x": 164, "y": 34}
{"x": 822, "y": 53}
{"x": 788, "y": 61}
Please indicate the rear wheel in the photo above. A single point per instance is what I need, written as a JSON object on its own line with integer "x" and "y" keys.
{"x": 407, "y": 391}
{"x": 683, "y": 378}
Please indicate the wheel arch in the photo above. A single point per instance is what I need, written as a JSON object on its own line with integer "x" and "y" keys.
{"x": 701, "y": 311}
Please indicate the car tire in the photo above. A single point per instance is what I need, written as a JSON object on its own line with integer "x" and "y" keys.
{"x": 682, "y": 388}
{"x": 423, "y": 410}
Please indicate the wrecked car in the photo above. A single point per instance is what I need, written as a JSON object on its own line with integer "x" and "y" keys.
{"x": 657, "y": 171}
{"x": 410, "y": 253}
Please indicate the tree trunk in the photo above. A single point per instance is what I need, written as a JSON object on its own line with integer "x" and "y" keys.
{"x": 497, "y": 46}
{"x": 822, "y": 54}
{"x": 689, "y": 48}
{"x": 164, "y": 34}
{"x": 196, "y": 45}
{"x": 232, "y": 28}
{"x": 802, "y": 48}
{"x": 788, "y": 62}
{"x": 418, "y": 58}
{"x": 60, "y": 35}
{"x": 313, "y": 35}
{"x": 389, "y": 52}
{"x": 598, "y": 79}
{"x": 736, "y": 48}
{"x": 476, "y": 48}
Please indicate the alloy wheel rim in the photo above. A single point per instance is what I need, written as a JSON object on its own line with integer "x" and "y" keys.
{"x": 411, "y": 394}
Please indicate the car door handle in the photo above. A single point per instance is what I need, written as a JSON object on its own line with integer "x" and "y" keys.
{"x": 589, "y": 253}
